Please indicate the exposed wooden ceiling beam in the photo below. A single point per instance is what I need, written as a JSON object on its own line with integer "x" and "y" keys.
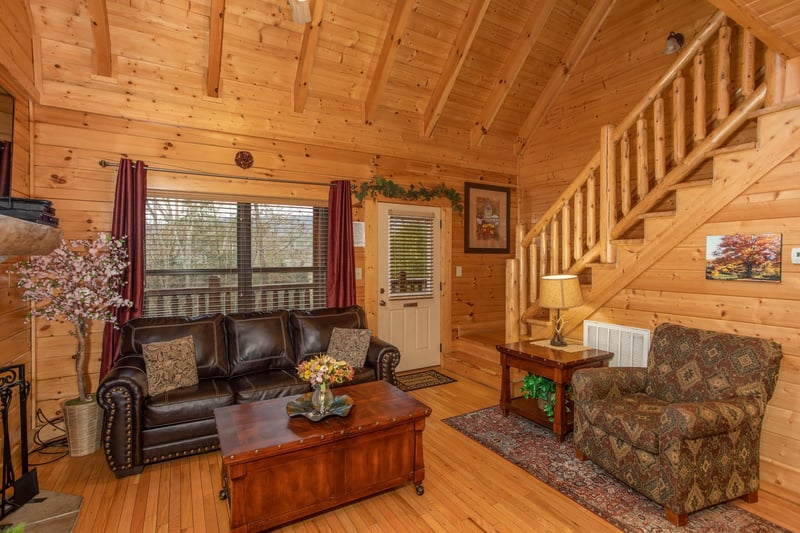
{"x": 597, "y": 15}
{"x": 744, "y": 15}
{"x": 469, "y": 28}
{"x": 307, "y": 53}
{"x": 519, "y": 54}
{"x": 98, "y": 16}
{"x": 216, "y": 21}
{"x": 402, "y": 11}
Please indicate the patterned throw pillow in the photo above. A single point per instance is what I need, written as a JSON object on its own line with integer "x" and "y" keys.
{"x": 170, "y": 365}
{"x": 350, "y": 345}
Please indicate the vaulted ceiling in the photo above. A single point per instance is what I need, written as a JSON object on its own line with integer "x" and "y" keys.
{"x": 478, "y": 68}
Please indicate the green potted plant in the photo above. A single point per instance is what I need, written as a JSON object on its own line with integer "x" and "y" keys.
{"x": 542, "y": 389}
{"x": 77, "y": 282}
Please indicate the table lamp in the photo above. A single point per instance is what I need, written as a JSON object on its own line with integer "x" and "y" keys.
{"x": 558, "y": 292}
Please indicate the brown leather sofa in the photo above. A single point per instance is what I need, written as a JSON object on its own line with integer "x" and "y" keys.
{"x": 241, "y": 357}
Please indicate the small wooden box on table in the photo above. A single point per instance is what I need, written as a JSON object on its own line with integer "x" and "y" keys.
{"x": 277, "y": 469}
{"x": 549, "y": 362}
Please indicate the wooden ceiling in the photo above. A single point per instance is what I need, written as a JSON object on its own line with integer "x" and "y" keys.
{"x": 478, "y": 68}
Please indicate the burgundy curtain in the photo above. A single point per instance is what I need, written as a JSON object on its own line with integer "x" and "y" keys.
{"x": 341, "y": 289}
{"x": 5, "y": 168}
{"x": 128, "y": 221}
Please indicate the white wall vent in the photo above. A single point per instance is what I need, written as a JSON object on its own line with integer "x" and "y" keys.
{"x": 630, "y": 345}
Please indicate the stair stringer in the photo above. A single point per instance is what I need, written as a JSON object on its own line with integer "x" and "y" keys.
{"x": 734, "y": 173}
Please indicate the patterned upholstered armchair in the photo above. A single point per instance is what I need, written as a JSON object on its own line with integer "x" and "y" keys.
{"x": 684, "y": 431}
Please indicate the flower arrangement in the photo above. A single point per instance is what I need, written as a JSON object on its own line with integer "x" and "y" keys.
{"x": 324, "y": 370}
{"x": 487, "y": 230}
{"x": 77, "y": 287}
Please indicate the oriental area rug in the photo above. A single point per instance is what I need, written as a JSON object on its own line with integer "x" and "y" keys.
{"x": 420, "y": 380}
{"x": 534, "y": 449}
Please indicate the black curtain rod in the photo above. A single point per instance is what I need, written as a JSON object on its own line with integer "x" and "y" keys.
{"x": 104, "y": 163}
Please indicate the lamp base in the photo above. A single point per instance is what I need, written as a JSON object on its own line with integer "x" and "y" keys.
{"x": 557, "y": 339}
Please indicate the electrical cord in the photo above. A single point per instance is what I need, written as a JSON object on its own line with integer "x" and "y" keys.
{"x": 55, "y": 446}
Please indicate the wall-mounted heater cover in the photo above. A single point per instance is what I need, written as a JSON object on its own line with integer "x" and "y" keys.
{"x": 630, "y": 345}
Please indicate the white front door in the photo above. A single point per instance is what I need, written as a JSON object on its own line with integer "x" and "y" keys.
{"x": 409, "y": 282}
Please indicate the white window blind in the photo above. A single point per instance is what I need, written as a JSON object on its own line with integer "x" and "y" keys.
{"x": 226, "y": 256}
{"x": 410, "y": 256}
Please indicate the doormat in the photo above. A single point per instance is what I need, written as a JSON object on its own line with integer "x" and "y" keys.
{"x": 421, "y": 380}
{"x": 535, "y": 450}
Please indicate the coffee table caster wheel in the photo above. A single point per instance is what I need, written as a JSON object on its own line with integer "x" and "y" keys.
{"x": 420, "y": 490}
{"x": 223, "y": 494}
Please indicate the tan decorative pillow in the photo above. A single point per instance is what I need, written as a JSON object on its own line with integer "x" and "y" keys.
{"x": 350, "y": 345}
{"x": 170, "y": 365}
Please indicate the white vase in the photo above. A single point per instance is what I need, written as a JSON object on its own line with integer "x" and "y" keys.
{"x": 82, "y": 421}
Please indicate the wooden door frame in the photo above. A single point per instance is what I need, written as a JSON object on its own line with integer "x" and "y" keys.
{"x": 445, "y": 264}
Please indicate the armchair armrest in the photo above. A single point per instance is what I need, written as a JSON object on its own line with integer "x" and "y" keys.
{"x": 696, "y": 420}
{"x": 384, "y": 358}
{"x": 596, "y": 383}
{"x": 121, "y": 395}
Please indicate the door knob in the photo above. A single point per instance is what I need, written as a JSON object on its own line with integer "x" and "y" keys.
{"x": 382, "y": 303}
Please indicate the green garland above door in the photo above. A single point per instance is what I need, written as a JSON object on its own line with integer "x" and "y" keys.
{"x": 390, "y": 189}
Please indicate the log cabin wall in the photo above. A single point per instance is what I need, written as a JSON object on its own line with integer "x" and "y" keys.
{"x": 16, "y": 76}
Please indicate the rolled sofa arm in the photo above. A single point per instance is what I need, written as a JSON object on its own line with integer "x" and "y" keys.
{"x": 121, "y": 395}
{"x": 384, "y": 358}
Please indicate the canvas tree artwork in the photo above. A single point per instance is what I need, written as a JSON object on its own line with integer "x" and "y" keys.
{"x": 741, "y": 257}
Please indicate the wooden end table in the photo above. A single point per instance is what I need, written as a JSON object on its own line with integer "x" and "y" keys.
{"x": 277, "y": 469}
{"x": 549, "y": 362}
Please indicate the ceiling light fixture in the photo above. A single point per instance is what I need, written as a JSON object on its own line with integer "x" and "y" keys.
{"x": 301, "y": 11}
{"x": 674, "y": 43}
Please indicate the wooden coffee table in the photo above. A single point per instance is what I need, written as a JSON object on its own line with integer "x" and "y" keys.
{"x": 276, "y": 469}
{"x": 552, "y": 363}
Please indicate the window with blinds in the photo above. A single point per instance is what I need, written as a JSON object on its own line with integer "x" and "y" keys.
{"x": 410, "y": 256}
{"x": 227, "y": 256}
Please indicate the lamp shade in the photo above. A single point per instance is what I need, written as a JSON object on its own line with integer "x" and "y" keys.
{"x": 560, "y": 291}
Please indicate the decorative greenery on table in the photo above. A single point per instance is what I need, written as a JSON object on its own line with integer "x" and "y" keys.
{"x": 390, "y": 189}
{"x": 540, "y": 388}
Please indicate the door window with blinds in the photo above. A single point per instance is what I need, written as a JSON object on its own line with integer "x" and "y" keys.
{"x": 410, "y": 256}
{"x": 231, "y": 256}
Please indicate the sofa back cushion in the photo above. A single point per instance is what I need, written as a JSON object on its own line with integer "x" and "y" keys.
{"x": 688, "y": 365}
{"x": 259, "y": 341}
{"x": 207, "y": 332}
{"x": 311, "y": 330}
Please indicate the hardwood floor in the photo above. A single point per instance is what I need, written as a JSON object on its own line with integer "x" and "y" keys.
{"x": 467, "y": 488}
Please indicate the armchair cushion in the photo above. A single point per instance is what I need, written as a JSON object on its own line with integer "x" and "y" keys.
{"x": 635, "y": 418}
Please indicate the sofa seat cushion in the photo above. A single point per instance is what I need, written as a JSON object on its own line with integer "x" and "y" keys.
{"x": 360, "y": 375}
{"x": 267, "y": 385}
{"x": 635, "y": 419}
{"x": 187, "y": 404}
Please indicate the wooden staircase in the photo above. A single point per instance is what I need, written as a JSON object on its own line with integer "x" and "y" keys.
{"x": 645, "y": 191}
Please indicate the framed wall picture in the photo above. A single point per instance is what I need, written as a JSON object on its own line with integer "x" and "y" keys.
{"x": 487, "y": 213}
{"x": 744, "y": 257}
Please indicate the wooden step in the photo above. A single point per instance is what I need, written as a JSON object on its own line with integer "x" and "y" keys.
{"x": 474, "y": 367}
{"x": 487, "y": 350}
{"x": 732, "y": 148}
{"x": 656, "y": 223}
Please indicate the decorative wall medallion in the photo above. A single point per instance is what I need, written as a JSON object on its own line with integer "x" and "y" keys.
{"x": 244, "y": 159}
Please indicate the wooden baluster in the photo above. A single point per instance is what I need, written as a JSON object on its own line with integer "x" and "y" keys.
{"x": 577, "y": 227}
{"x": 642, "y": 165}
{"x": 608, "y": 192}
{"x": 523, "y": 268}
{"x": 724, "y": 73}
{"x": 660, "y": 140}
{"x": 679, "y": 119}
{"x": 533, "y": 284}
{"x": 625, "y": 172}
{"x": 543, "y": 251}
{"x": 554, "y": 241}
{"x": 591, "y": 210}
{"x": 566, "y": 246}
{"x": 699, "y": 96}
{"x": 776, "y": 78}
{"x": 748, "y": 63}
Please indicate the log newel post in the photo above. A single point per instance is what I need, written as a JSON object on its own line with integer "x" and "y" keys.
{"x": 513, "y": 315}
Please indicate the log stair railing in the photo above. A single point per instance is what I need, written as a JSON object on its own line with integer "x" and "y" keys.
{"x": 649, "y": 160}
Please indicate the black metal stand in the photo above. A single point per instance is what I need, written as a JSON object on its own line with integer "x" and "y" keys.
{"x": 27, "y": 486}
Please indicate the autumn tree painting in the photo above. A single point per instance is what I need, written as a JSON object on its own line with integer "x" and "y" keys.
{"x": 744, "y": 257}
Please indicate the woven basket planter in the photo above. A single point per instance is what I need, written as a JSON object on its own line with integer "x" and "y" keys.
{"x": 83, "y": 421}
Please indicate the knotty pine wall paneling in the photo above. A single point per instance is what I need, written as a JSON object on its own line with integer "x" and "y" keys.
{"x": 69, "y": 145}
{"x": 16, "y": 75}
{"x": 675, "y": 290}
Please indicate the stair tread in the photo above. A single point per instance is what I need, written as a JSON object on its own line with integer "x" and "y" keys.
{"x": 657, "y": 214}
{"x": 732, "y": 148}
{"x": 692, "y": 183}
